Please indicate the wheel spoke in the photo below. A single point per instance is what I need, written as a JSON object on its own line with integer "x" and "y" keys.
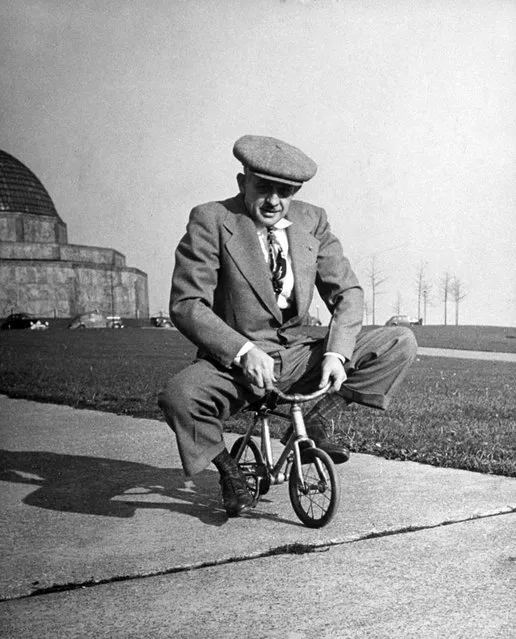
{"x": 315, "y": 495}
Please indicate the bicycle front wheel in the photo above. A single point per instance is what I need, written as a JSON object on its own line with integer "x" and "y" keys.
{"x": 315, "y": 495}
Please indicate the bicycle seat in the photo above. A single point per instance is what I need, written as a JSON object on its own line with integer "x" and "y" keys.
{"x": 268, "y": 402}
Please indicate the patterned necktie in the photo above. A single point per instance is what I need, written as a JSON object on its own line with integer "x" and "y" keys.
{"x": 277, "y": 261}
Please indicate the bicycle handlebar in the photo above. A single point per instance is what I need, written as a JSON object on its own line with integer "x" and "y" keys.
{"x": 298, "y": 397}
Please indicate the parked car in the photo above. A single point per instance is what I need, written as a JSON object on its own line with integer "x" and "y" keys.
{"x": 115, "y": 321}
{"x": 24, "y": 320}
{"x": 312, "y": 321}
{"x": 95, "y": 319}
{"x": 403, "y": 320}
{"x": 161, "y": 321}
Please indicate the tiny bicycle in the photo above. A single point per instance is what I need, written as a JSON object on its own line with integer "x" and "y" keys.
{"x": 312, "y": 481}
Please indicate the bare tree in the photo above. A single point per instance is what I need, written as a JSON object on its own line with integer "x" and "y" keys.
{"x": 458, "y": 293}
{"x": 376, "y": 279}
{"x": 445, "y": 290}
{"x": 367, "y": 310}
{"x": 426, "y": 294}
{"x": 398, "y": 304}
{"x": 421, "y": 286}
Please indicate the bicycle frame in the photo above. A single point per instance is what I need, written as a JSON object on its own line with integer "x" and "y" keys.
{"x": 278, "y": 471}
{"x": 312, "y": 482}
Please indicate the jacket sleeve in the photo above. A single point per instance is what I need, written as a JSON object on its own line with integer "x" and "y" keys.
{"x": 194, "y": 282}
{"x": 340, "y": 290}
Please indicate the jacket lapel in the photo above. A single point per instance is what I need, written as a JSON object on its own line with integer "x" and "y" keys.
{"x": 303, "y": 250}
{"x": 244, "y": 247}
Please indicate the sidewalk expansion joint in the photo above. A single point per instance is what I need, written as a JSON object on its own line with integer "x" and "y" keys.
{"x": 296, "y": 548}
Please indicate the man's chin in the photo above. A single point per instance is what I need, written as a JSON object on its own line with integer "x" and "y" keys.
{"x": 269, "y": 219}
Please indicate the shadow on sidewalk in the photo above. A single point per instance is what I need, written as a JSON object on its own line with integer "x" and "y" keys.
{"x": 110, "y": 487}
{"x": 113, "y": 487}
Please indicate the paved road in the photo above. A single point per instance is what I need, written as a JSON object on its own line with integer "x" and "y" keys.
{"x": 104, "y": 537}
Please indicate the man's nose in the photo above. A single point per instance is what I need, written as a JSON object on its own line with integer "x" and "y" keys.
{"x": 273, "y": 197}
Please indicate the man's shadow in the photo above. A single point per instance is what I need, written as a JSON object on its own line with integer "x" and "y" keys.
{"x": 113, "y": 487}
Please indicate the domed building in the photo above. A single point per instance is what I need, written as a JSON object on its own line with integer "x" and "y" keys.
{"x": 41, "y": 274}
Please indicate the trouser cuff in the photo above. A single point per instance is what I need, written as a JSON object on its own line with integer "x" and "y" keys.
{"x": 373, "y": 400}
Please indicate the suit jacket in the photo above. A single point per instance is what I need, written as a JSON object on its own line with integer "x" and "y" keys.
{"x": 222, "y": 293}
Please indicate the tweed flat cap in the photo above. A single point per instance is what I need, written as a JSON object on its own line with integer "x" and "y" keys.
{"x": 274, "y": 160}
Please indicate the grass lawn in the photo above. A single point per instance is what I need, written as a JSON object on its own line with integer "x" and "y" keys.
{"x": 450, "y": 412}
{"x": 475, "y": 338}
{"x": 471, "y": 338}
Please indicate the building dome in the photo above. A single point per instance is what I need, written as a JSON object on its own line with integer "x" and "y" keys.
{"x": 41, "y": 273}
{"x": 20, "y": 189}
{"x": 27, "y": 213}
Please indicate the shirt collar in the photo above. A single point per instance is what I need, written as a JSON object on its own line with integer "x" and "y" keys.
{"x": 279, "y": 226}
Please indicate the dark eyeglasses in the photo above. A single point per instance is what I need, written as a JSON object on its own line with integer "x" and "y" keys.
{"x": 283, "y": 190}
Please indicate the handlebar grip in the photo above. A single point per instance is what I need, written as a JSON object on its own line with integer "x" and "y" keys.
{"x": 298, "y": 397}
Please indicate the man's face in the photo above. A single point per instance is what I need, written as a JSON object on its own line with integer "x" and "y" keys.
{"x": 266, "y": 201}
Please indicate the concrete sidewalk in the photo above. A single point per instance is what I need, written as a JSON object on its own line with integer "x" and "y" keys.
{"x": 488, "y": 356}
{"x": 100, "y": 526}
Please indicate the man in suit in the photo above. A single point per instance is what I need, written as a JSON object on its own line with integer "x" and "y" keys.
{"x": 244, "y": 278}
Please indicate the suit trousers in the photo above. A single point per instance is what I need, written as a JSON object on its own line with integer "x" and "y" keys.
{"x": 197, "y": 401}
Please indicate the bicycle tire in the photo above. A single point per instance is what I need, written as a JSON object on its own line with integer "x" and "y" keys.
{"x": 252, "y": 465}
{"x": 317, "y": 503}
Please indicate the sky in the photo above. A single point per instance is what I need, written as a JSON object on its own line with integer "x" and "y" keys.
{"x": 127, "y": 111}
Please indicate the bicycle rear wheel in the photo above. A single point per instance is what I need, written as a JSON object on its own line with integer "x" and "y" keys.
{"x": 252, "y": 465}
{"x": 314, "y": 496}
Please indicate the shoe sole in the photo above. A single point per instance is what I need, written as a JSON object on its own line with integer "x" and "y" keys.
{"x": 336, "y": 457}
{"x": 236, "y": 513}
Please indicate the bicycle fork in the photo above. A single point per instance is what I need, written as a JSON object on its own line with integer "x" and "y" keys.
{"x": 276, "y": 475}
{"x": 298, "y": 435}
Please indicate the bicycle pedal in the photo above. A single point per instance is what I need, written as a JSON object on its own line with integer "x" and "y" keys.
{"x": 263, "y": 480}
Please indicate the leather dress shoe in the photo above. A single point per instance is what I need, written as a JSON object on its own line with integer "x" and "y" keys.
{"x": 338, "y": 454}
{"x": 235, "y": 494}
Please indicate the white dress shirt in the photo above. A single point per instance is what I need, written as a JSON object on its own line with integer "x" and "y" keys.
{"x": 285, "y": 298}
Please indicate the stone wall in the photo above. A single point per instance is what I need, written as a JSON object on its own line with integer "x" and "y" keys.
{"x": 65, "y": 252}
{"x": 26, "y": 227}
{"x": 64, "y": 289}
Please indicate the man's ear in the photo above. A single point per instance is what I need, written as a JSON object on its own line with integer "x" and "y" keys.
{"x": 241, "y": 182}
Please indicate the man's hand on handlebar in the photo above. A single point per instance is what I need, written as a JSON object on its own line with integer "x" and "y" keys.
{"x": 332, "y": 370}
{"x": 258, "y": 368}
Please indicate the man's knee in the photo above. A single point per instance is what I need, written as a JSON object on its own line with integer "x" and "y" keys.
{"x": 394, "y": 342}
{"x": 387, "y": 345}
{"x": 406, "y": 342}
{"x": 175, "y": 396}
